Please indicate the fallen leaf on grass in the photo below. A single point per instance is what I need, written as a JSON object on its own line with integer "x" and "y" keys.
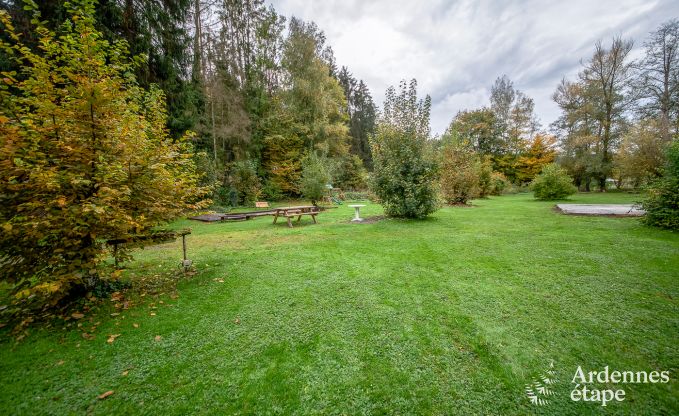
{"x": 112, "y": 338}
{"x": 60, "y": 362}
{"x": 153, "y": 314}
{"x": 237, "y": 321}
{"x": 78, "y": 315}
{"x": 218, "y": 280}
{"x": 158, "y": 338}
{"x": 115, "y": 314}
{"x": 135, "y": 325}
{"x": 105, "y": 395}
{"x": 125, "y": 373}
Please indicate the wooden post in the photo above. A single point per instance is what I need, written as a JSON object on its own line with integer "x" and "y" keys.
{"x": 184, "y": 245}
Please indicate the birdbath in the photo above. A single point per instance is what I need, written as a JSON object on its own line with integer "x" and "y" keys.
{"x": 357, "y": 212}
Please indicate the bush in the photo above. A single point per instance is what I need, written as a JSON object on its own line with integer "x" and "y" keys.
{"x": 245, "y": 183}
{"x": 485, "y": 169}
{"x": 499, "y": 184}
{"x": 404, "y": 177}
{"x": 356, "y": 196}
{"x": 352, "y": 174}
{"x": 272, "y": 191}
{"x": 553, "y": 183}
{"x": 460, "y": 168}
{"x": 662, "y": 203}
{"x": 314, "y": 179}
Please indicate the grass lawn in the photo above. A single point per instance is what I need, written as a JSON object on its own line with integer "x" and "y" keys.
{"x": 450, "y": 315}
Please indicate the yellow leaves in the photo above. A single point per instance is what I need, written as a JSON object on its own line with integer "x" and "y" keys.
{"x": 23, "y": 293}
{"x": 7, "y": 227}
{"x": 48, "y": 287}
{"x": 158, "y": 338}
{"x": 112, "y": 338}
{"x": 61, "y": 201}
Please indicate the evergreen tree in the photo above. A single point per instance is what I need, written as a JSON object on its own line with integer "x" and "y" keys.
{"x": 362, "y": 114}
{"x": 157, "y": 31}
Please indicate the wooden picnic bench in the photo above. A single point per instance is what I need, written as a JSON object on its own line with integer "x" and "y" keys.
{"x": 290, "y": 212}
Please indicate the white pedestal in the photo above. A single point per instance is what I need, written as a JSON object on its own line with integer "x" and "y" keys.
{"x": 357, "y": 212}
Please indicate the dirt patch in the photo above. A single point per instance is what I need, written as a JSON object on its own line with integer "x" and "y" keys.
{"x": 368, "y": 220}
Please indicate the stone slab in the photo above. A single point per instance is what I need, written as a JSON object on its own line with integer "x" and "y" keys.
{"x": 621, "y": 210}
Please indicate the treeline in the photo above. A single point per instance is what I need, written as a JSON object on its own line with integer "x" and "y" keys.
{"x": 260, "y": 91}
{"x": 619, "y": 115}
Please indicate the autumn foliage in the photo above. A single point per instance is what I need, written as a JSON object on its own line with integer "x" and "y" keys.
{"x": 84, "y": 157}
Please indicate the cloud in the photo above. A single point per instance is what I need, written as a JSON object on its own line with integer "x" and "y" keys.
{"x": 456, "y": 49}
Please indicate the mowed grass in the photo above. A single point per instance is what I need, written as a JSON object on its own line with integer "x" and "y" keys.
{"x": 450, "y": 315}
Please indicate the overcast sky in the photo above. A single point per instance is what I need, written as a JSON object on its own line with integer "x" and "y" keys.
{"x": 456, "y": 49}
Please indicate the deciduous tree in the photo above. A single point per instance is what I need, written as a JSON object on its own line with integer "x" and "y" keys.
{"x": 405, "y": 172}
{"x": 85, "y": 156}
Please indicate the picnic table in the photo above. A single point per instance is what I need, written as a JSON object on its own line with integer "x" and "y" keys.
{"x": 290, "y": 212}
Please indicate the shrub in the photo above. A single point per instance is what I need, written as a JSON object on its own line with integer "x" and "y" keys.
{"x": 314, "y": 179}
{"x": 352, "y": 174}
{"x": 245, "y": 182}
{"x": 272, "y": 191}
{"x": 485, "y": 169}
{"x": 460, "y": 168}
{"x": 356, "y": 196}
{"x": 404, "y": 177}
{"x": 499, "y": 184}
{"x": 553, "y": 183}
{"x": 662, "y": 203}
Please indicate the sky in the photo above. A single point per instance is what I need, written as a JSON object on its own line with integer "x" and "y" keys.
{"x": 456, "y": 49}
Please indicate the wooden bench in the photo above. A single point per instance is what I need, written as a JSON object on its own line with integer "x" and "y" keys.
{"x": 291, "y": 212}
{"x": 261, "y": 204}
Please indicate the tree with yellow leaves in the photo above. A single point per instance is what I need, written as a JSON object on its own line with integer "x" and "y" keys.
{"x": 540, "y": 153}
{"x": 85, "y": 156}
